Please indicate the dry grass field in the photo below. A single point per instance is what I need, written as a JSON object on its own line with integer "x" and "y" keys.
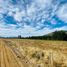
{"x": 32, "y": 53}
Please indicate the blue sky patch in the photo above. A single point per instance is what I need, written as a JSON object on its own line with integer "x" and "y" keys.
{"x": 32, "y": 17}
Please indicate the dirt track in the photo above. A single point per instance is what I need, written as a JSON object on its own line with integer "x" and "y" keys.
{"x": 8, "y": 57}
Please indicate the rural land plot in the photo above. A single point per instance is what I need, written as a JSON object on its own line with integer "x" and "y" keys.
{"x": 32, "y": 53}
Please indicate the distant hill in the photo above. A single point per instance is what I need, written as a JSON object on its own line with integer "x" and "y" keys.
{"x": 57, "y": 35}
{"x": 57, "y": 31}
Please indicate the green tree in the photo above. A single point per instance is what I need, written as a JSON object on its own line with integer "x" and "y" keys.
{"x": 59, "y": 35}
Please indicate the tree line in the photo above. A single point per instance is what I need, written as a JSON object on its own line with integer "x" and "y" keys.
{"x": 57, "y": 35}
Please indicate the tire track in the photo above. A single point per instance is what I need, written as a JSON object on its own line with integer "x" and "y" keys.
{"x": 2, "y": 55}
{"x": 6, "y": 60}
{"x": 17, "y": 53}
{"x": 14, "y": 62}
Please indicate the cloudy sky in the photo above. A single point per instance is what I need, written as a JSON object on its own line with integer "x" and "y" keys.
{"x": 32, "y": 17}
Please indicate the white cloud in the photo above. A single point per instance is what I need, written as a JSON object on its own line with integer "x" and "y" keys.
{"x": 28, "y": 31}
{"x": 37, "y": 9}
{"x": 18, "y": 16}
{"x": 62, "y": 28}
{"x": 62, "y": 12}
{"x": 38, "y": 12}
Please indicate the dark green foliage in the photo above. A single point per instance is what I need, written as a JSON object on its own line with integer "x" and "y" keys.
{"x": 19, "y": 36}
{"x": 57, "y": 35}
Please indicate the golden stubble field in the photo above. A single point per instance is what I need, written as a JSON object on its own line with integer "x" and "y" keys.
{"x": 32, "y": 53}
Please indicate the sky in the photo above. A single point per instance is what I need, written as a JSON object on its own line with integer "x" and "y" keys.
{"x": 32, "y": 17}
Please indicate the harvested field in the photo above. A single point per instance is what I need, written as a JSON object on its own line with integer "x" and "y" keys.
{"x": 32, "y": 53}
